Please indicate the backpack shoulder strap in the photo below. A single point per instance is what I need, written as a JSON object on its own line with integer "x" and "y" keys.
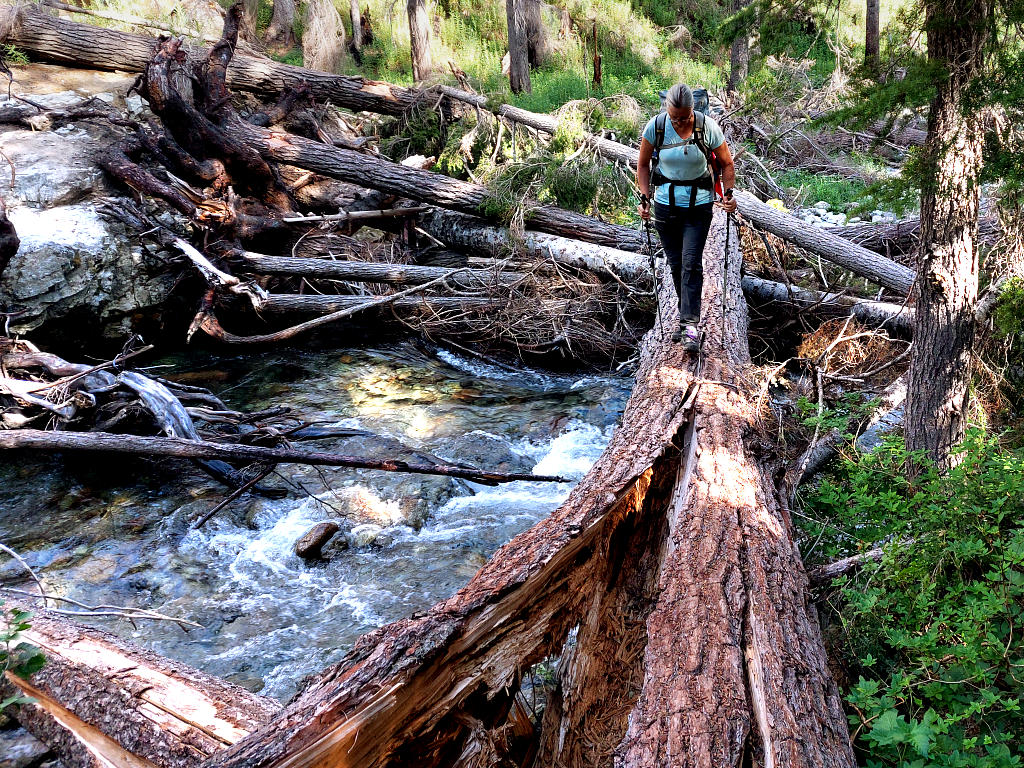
{"x": 659, "y": 130}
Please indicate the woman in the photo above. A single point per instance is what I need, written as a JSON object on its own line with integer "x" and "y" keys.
{"x": 683, "y": 196}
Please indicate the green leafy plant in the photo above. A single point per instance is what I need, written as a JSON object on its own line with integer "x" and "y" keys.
{"x": 932, "y": 633}
{"x": 16, "y": 655}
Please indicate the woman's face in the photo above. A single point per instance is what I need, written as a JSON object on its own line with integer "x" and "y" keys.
{"x": 680, "y": 117}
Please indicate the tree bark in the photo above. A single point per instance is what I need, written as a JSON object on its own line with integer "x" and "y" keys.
{"x": 357, "y": 27}
{"x": 518, "y": 48}
{"x": 537, "y": 41}
{"x": 283, "y": 303}
{"x": 861, "y": 261}
{"x": 102, "y": 701}
{"x": 473, "y": 235}
{"x": 281, "y": 30}
{"x": 946, "y": 290}
{"x": 739, "y": 54}
{"x": 323, "y": 39}
{"x": 419, "y": 39}
{"x": 871, "y": 35}
{"x": 902, "y": 238}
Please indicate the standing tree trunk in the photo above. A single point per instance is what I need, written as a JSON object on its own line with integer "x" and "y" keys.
{"x": 871, "y": 35}
{"x": 419, "y": 39}
{"x": 537, "y": 44}
{"x": 247, "y": 30}
{"x": 323, "y": 40}
{"x": 281, "y": 30}
{"x": 597, "y": 59}
{"x": 357, "y": 27}
{"x": 739, "y": 57}
{"x": 947, "y": 280}
{"x": 519, "y": 61}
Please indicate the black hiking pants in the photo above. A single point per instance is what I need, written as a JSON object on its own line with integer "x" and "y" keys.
{"x": 683, "y": 232}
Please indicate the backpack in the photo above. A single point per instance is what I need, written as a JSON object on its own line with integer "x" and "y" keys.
{"x": 711, "y": 180}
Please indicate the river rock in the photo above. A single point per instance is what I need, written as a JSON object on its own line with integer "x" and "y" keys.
{"x": 73, "y": 263}
{"x": 310, "y": 545}
{"x": 20, "y": 749}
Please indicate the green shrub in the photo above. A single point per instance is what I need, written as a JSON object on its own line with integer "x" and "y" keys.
{"x": 16, "y": 656}
{"x": 573, "y": 186}
{"x": 933, "y": 631}
{"x": 812, "y": 187}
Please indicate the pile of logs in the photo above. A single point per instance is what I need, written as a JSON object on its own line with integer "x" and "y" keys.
{"x": 668, "y": 585}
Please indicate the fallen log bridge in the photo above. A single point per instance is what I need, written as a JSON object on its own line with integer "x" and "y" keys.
{"x": 667, "y": 585}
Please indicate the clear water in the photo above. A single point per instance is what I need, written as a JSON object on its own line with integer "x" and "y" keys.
{"x": 116, "y": 531}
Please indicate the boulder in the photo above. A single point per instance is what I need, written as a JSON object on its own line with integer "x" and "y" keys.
{"x": 310, "y": 546}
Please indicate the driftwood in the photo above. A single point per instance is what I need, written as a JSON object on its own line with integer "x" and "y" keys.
{"x": 101, "y": 701}
{"x": 136, "y": 445}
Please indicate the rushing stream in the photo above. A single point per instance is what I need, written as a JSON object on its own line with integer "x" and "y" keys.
{"x": 119, "y": 532}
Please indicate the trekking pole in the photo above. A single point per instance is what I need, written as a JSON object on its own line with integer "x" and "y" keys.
{"x": 654, "y": 273}
{"x": 725, "y": 271}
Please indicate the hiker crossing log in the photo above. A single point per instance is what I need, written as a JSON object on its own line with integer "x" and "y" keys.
{"x": 102, "y": 701}
{"x": 676, "y": 541}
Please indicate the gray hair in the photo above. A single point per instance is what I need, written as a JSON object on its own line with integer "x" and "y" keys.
{"x": 679, "y": 96}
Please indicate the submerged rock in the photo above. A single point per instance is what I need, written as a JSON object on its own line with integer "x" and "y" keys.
{"x": 310, "y": 546}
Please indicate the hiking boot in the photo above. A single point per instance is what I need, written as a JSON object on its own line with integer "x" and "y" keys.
{"x": 690, "y": 337}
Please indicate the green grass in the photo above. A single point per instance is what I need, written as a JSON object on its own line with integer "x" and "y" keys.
{"x": 808, "y": 188}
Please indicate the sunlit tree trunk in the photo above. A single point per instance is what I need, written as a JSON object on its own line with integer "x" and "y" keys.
{"x": 519, "y": 62}
{"x": 280, "y": 32}
{"x": 357, "y": 26}
{"x": 419, "y": 39}
{"x": 946, "y": 290}
{"x": 739, "y": 57}
{"x": 538, "y": 45}
{"x": 871, "y": 35}
{"x": 323, "y": 40}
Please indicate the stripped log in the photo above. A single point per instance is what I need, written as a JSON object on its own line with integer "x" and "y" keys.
{"x": 474, "y": 235}
{"x": 373, "y": 272}
{"x": 675, "y": 540}
{"x": 103, "y": 442}
{"x": 879, "y": 314}
{"x": 101, "y": 701}
{"x": 279, "y": 303}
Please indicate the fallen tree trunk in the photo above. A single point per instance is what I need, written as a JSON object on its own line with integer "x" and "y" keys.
{"x": 727, "y": 587}
{"x": 43, "y": 440}
{"x": 843, "y": 253}
{"x": 902, "y": 237}
{"x": 101, "y": 701}
{"x": 880, "y": 314}
{"x": 280, "y": 303}
{"x": 373, "y": 272}
{"x": 48, "y": 37}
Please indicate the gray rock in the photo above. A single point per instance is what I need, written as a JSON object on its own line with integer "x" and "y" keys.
{"x": 134, "y": 104}
{"x": 52, "y": 168}
{"x": 365, "y": 534}
{"x": 822, "y": 205}
{"x": 20, "y": 749}
{"x": 72, "y": 259}
{"x": 310, "y": 545}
